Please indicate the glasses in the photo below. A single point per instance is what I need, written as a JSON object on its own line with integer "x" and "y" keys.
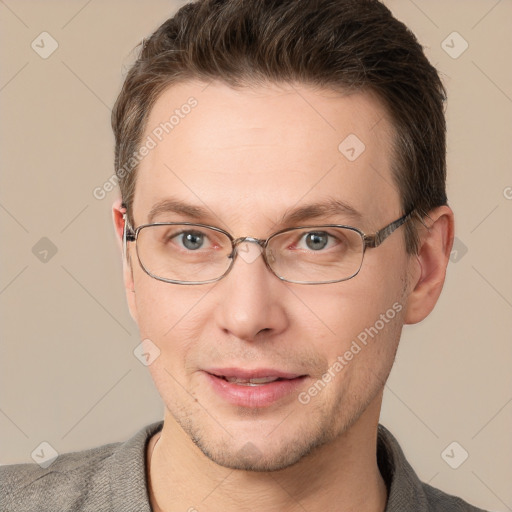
{"x": 188, "y": 253}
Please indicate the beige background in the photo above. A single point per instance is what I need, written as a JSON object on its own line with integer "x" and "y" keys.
{"x": 68, "y": 373}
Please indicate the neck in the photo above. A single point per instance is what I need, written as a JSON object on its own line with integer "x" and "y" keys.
{"x": 344, "y": 472}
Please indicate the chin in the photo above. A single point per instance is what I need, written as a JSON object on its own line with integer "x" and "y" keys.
{"x": 258, "y": 449}
{"x": 251, "y": 458}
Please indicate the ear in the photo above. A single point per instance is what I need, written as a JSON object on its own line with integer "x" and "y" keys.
{"x": 118, "y": 213}
{"x": 435, "y": 246}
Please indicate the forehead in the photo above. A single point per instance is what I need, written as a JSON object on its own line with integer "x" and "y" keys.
{"x": 254, "y": 153}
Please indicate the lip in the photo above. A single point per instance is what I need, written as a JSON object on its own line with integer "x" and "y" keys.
{"x": 245, "y": 373}
{"x": 259, "y": 396}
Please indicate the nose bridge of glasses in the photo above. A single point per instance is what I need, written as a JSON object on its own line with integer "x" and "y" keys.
{"x": 251, "y": 239}
{"x": 247, "y": 252}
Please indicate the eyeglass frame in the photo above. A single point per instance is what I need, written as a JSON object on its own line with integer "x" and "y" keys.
{"x": 370, "y": 241}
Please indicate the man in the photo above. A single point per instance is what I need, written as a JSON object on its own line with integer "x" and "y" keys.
{"x": 283, "y": 215}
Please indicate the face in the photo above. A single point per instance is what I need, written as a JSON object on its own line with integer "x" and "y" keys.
{"x": 248, "y": 158}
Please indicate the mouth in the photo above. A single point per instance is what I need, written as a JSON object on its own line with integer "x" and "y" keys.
{"x": 253, "y": 388}
{"x": 251, "y": 382}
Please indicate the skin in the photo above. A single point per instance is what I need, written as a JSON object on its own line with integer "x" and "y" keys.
{"x": 249, "y": 156}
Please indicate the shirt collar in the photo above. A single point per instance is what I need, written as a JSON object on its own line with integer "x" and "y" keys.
{"x": 405, "y": 490}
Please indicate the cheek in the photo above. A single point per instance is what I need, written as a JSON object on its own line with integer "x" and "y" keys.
{"x": 171, "y": 316}
{"x": 360, "y": 343}
{"x": 356, "y": 326}
{"x": 341, "y": 311}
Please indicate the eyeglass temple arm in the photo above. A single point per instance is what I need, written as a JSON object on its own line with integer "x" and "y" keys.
{"x": 377, "y": 238}
{"x": 128, "y": 233}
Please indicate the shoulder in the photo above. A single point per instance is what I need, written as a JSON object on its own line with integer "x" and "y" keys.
{"x": 64, "y": 485}
{"x": 405, "y": 490}
{"x": 104, "y": 478}
{"x": 439, "y": 501}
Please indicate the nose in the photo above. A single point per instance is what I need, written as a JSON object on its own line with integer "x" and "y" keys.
{"x": 252, "y": 299}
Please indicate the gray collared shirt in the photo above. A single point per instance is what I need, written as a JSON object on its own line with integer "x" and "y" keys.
{"x": 112, "y": 478}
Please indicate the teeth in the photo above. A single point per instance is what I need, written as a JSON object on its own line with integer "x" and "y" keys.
{"x": 251, "y": 382}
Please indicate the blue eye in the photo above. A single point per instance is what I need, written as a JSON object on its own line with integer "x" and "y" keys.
{"x": 191, "y": 240}
{"x": 316, "y": 240}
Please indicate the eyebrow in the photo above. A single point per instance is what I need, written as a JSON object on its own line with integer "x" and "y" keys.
{"x": 327, "y": 208}
{"x": 330, "y": 207}
{"x": 179, "y": 207}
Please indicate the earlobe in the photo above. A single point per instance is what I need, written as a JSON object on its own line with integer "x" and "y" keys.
{"x": 436, "y": 242}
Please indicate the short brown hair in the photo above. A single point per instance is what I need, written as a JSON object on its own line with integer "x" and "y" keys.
{"x": 354, "y": 45}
